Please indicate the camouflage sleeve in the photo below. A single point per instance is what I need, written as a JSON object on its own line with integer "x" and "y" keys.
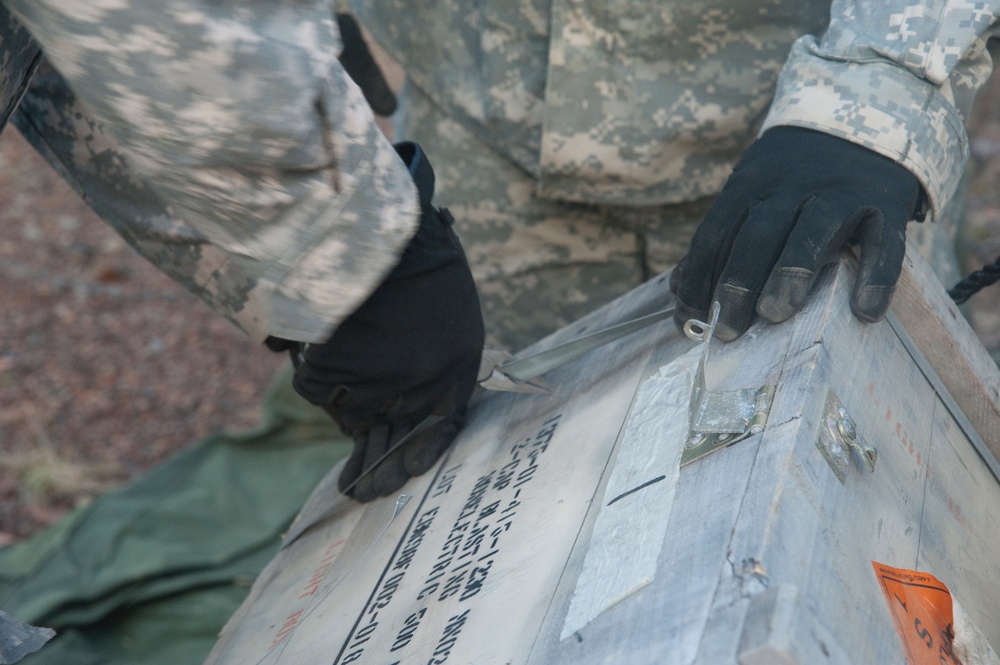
{"x": 898, "y": 77}
{"x": 19, "y": 56}
{"x": 248, "y": 133}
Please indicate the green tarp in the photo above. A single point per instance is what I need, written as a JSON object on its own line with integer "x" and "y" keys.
{"x": 149, "y": 573}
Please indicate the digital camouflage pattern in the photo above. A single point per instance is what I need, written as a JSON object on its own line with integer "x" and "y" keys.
{"x": 248, "y": 164}
{"x": 640, "y": 102}
{"x": 539, "y": 264}
{"x": 897, "y": 77}
{"x": 507, "y": 114}
{"x": 19, "y": 56}
{"x": 621, "y": 102}
{"x": 675, "y": 91}
{"x": 51, "y": 118}
{"x": 578, "y": 142}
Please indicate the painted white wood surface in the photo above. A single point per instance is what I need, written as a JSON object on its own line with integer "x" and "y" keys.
{"x": 766, "y": 554}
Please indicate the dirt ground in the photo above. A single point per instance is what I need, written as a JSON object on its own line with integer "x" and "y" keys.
{"x": 107, "y": 367}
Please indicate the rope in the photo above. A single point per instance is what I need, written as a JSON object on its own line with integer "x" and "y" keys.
{"x": 975, "y": 282}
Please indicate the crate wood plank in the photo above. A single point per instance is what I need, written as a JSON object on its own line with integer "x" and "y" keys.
{"x": 895, "y": 512}
{"x": 511, "y": 495}
{"x": 765, "y": 554}
{"x": 950, "y": 346}
{"x": 672, "y": 611}
{"x": 960, "y": 526}
{"x": 696, "y": 615}
{"x": 779, "y": 629}
{"x": 800, "y": 525}
{"x": 666, "y": 616}
{"x": 512, "y": 521}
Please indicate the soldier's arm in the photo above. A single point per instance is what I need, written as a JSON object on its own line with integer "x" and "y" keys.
{"x": 866, "y": 132}
{"x": 897, "y": 77}
{"x": 251, "y": 168}
{"x": 243, "y": 124}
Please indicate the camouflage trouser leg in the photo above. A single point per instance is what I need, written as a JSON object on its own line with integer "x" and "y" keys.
{"x": 539, "y": 264}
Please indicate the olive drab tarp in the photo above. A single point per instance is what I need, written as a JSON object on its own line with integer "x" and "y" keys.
{"x": 149, "y": 573}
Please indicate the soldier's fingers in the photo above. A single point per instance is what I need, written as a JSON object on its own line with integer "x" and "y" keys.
{"x": 353, "y": 466}
{"x": 390, "y": 474}
{"x": 707, "y": 257}
{"x": 824, "y": 225}
{"x": 755, "y": 250}
{"x": 883, "y": 246}
{"x": 423, "y": 453}
{"x": 376, "y": 443}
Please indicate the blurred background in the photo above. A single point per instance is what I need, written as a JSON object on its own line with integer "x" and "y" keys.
{"x": 107, "y": 367}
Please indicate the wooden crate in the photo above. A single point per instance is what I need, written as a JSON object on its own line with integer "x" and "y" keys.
{"x": 563, "y": 529}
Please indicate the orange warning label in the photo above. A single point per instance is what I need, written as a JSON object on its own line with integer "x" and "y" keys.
{"x": 920, "y": 605}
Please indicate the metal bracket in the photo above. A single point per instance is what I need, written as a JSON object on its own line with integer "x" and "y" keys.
{"x": 720, "y": 418}
{"x": 837, "y": 435}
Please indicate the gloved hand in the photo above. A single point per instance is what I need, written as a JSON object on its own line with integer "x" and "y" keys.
{"x": 359, "y": 64}
{"x": 793, "y": 200}
{"x": 411, "y": 350}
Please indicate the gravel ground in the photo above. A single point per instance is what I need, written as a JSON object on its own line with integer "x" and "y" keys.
{"x": 107, "y": 367}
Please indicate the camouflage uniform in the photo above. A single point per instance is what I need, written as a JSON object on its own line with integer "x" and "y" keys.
{"x": 228, "y": 145}
{"x": 579, "y": 142}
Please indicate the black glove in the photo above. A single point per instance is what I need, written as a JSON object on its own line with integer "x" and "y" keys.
{"x": 411, "y": 350}
{"x": 793, "y": 200}
{"x": 359, "y": 64}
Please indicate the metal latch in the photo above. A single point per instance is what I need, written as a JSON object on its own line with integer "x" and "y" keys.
{"x": 838, "y": 435}
{"x": 720, "y": 418}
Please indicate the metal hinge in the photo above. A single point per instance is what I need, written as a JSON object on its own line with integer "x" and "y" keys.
{"x": 838, "y": 435}
{"x": 720, "y": 418}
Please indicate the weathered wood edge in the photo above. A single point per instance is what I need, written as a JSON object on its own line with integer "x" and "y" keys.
{"x": 950, "y": 346}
